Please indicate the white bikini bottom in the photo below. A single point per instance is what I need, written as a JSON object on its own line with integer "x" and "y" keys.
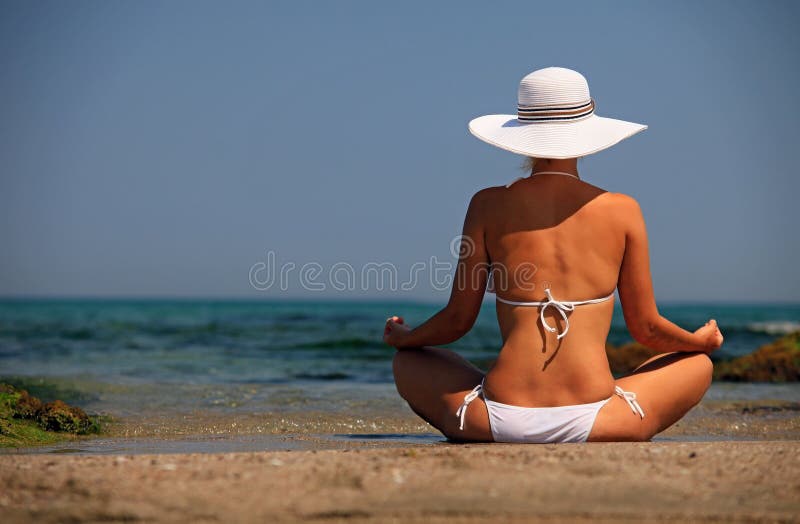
{"x": 542, "y": 425}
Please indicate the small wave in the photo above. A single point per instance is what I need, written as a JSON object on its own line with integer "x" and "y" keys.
{"x": 323, "y": 376}
{"x": 777, "y": 327}
{"x": 339, "y": 343}
{"x": 78, "y": 334}
{"x": 295, "y": 317}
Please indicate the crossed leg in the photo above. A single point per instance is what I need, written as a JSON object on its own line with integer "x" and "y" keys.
{"x": 434, "y": 382}
{"x": 667, "y": 386}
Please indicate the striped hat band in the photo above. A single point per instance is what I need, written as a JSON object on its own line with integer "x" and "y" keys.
{"x": 551, "y": 113}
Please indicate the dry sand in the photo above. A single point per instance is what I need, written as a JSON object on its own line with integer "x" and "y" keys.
{"x": 614, "y": 482}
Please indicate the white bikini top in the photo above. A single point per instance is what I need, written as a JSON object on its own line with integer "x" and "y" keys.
{"x": 560, "y": 306}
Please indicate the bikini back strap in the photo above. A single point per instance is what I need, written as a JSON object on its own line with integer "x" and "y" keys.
{"x": 593, "y": 300}
{"x": 561, "y": 306}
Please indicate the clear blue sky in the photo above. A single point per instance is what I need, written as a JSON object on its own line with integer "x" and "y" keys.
{"x": 162, "y": 149}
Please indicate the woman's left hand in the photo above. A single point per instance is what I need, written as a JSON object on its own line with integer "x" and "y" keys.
{"x": 395, "y": 331}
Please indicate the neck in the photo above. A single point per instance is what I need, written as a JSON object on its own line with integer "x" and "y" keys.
{"x": 564, "y": 165}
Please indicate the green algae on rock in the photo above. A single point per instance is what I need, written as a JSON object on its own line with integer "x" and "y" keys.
{"x": 58, "y": 416}
{"x": 25, "y": 420}
{"x": 778, "y": 361}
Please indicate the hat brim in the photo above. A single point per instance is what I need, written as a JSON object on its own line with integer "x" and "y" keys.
{"x": 553, "y": 140}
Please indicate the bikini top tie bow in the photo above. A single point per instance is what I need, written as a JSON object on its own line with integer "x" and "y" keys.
{"x": 561, "y": 307}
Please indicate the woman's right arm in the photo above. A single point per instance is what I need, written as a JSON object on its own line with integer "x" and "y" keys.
{"x": 635, "y": 288}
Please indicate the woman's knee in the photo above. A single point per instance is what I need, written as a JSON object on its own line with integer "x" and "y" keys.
{"x": 706, "y": 366}
{"x": 704, "y": 371}
{"x": 405, "y": 367}
{"x": 400, "y": 364}
{"x": 693, "y": 371}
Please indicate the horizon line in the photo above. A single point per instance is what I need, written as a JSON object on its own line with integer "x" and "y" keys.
{"x": 300, "y": 299}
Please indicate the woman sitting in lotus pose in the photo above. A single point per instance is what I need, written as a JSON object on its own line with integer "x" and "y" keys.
{"x": 557, "y": 247}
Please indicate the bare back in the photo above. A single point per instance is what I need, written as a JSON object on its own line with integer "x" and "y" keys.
{"x": 562, "y": 232}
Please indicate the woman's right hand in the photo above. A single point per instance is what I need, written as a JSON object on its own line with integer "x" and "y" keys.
{"x": 710, "y": 335}
{"x": 395, "y": 330}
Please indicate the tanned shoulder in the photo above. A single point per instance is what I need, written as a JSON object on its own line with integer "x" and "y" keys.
{"x": 485, "y": 197}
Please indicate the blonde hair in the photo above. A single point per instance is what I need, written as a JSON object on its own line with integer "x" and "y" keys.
{"x": 528, "y": 164}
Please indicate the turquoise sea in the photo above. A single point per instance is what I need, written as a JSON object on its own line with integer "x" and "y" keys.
{"x": 277, "y": 342}
{"x": 159, "y": 361}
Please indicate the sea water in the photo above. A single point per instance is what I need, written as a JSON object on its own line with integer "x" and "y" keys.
{"x": 159, "y": 357}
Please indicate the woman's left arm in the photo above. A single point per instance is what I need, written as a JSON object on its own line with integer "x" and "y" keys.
{"x": 466, "y": 297}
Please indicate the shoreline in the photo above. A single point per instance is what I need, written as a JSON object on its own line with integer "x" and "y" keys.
{"x": 255, "y": 443}
{"x": 713, "y": 420}
{"x": 601, "y": 482}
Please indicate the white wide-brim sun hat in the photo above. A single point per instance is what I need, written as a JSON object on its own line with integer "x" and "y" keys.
{"x": 555, "y": 119}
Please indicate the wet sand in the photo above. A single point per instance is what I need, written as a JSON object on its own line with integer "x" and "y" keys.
{"x": 728, "y": 460}
{"x": 712, "y": 419}
{"x": 635, "y": 482}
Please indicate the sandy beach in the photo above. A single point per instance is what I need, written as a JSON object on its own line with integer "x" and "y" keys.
{"x": 730, "y": 460}
{"x": 614, "y": 482}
